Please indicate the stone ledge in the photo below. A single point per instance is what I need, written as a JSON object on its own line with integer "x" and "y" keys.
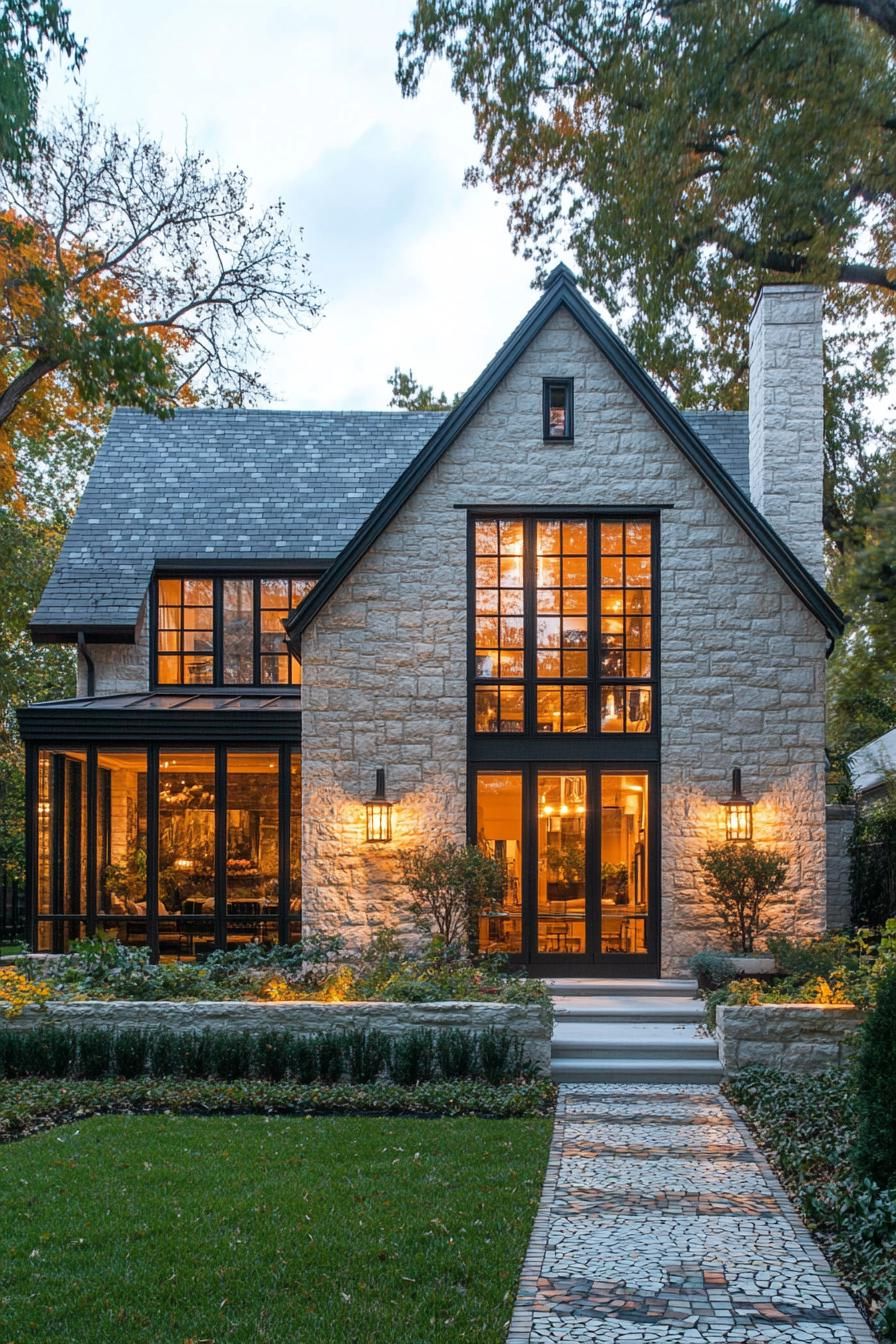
{"x": 308, "y": 1016}
{"x": 795, "y": 1037}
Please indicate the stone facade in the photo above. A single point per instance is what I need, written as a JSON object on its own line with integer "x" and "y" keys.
{"x": 787, "y": 417}
{"x": 795, "y": 1037}
{"x": 385, "y": 672}
{"x": 841, "y": 818}
{"x": 523, "y": 1020}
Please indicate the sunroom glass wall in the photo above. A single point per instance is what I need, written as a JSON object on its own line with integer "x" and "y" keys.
{"x": 253, "y": 847}
{"x": 187, "y": 818}
{"x": 121, "y": 845}
{"x": 61, "y": 834}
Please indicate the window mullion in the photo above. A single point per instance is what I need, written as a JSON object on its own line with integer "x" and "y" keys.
{"x": 529, "y": 641}
{"x": 256, "y": 632}
{"x": 593, "y": 611}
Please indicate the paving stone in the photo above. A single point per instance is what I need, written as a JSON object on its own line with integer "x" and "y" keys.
{"x": 661, "y": 1221}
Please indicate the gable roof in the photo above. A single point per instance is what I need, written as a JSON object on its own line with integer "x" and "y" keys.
{"x": 218, "y": 486}
{"x": 562, "y": 291}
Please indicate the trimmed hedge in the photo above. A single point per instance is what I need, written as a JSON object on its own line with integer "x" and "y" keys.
{"x": 360, "y": 1055}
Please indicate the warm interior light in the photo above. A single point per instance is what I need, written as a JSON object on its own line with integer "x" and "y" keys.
{"x": 738, "y": 811}
{"x": 379, "y": 812}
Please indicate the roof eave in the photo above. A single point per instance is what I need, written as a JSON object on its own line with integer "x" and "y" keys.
{"x": 67, "y": 633}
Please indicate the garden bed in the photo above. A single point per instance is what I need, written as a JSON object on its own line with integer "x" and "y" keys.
{"x": 808, "y": 1127}
{"x": 28, "y": 1105}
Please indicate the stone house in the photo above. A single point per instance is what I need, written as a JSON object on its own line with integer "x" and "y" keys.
{"x": 553, "y": 621}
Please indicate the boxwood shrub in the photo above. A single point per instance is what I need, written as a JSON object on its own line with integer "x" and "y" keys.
{"x": 361, "y": 1055}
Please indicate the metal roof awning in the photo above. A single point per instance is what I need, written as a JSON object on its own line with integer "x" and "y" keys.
{"x": 167, "y": 716}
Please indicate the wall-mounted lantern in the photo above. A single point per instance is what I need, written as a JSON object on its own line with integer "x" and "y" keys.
{"x": 379, "y": 811}
{"x": 738, "y": 811}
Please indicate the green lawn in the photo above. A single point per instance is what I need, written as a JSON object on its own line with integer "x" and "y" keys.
{"x": 187, "y": 1230}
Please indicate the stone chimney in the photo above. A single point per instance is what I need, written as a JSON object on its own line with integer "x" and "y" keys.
{"x": 787, "y": 417}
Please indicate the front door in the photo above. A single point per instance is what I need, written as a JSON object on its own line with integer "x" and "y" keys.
{"x": 577, "y": 844}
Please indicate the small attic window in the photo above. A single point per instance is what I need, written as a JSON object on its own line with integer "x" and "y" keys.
{"x": 557, "y": 408}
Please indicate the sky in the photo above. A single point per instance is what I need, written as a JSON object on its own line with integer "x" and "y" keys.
{"x": 417, "y": 270}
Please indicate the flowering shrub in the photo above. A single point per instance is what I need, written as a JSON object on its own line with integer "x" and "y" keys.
{"x": 100, "y": 968}
{"x": 16, "y": 991}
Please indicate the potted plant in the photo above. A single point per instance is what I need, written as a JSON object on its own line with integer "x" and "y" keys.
{"x": 565, "y": 871}
{"x": 712, "y": 969}
{"x": 741, "y": 880}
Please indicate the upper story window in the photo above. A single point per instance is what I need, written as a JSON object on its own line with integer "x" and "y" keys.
{"x": 557, "y": 408}
{"x": 543, "y": 587}
{"x": 223, "y": 631}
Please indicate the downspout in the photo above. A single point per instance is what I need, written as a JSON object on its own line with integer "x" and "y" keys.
{"x": 91, "y": 670}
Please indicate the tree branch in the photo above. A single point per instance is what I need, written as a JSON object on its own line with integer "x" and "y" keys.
{"x": 13, "y": 393}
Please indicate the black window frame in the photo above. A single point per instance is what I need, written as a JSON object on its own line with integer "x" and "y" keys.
{"x": 90, "y": 920}
{"x": 515, "y": 742}
{"x": 218, "y": 577}
{"x": 568, "y": 386}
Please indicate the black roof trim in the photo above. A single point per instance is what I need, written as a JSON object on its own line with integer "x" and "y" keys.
{"x": 59, "y": 633}
{"x": 562, "y": 291}
{"x": 173, "y": 717}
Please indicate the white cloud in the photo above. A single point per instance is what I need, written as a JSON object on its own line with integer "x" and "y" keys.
{"x": 416, "y": 269}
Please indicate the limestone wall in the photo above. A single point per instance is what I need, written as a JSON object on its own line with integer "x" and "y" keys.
{"x": 385, "y": 672}
{"x": 119, "y": 668}
{"x": 521, "y": 1020}
{"x": 795, "y": 1037}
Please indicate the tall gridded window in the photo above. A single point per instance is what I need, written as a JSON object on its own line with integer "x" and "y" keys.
{"x": 500, "y": 635}
{"x": 626, "y": 627}
{"x": 563, "y": 625}
{"x": 185, "y": 632}
{"x": 226, "y": 631}
{"x": 278, "y": 597}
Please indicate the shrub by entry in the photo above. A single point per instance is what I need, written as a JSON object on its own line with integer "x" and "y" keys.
{"x": 740, "y": 880}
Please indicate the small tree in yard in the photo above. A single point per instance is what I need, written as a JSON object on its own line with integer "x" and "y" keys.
{"x": 740, "y": 880}
{"x": 450, "y": 885}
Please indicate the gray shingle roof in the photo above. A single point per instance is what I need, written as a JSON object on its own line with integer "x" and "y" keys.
{"x": 276, "y": 486}
{"x": 727, "y": 436}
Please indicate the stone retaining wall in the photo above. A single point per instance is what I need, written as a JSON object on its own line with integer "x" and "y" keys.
{"x": 522, "y": 1020}
{"x": 798, "y": 1037}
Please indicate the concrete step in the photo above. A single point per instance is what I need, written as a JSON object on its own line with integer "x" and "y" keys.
{"x": 574, "y": 1070}
{"x": 628, "y": 1008}
{"x": 594, "y": 988}
{"x": 631, "y": 1040}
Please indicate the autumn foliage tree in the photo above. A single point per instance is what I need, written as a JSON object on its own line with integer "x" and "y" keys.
{"x": 129, "y": 276}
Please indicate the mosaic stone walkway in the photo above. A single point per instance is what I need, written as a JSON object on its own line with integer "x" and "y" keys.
{"x": 661, "y": 1221}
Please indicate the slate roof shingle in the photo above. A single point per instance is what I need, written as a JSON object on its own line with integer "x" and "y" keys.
{"x": 234, "y": 485}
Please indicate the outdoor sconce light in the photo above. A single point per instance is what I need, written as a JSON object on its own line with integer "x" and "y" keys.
{"x": 379, "y": 811}
{"x": 738, "y": 811}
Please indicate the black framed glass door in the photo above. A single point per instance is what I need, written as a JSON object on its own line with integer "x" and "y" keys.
{"x": 580, "y": 849}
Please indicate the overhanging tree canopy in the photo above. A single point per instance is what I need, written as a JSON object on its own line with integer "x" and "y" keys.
{"x": 684, "y": 151}
{"x": 129, "y": 276}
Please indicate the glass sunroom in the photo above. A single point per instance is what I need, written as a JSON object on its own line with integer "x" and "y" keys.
{"x": 172, "y": 821}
